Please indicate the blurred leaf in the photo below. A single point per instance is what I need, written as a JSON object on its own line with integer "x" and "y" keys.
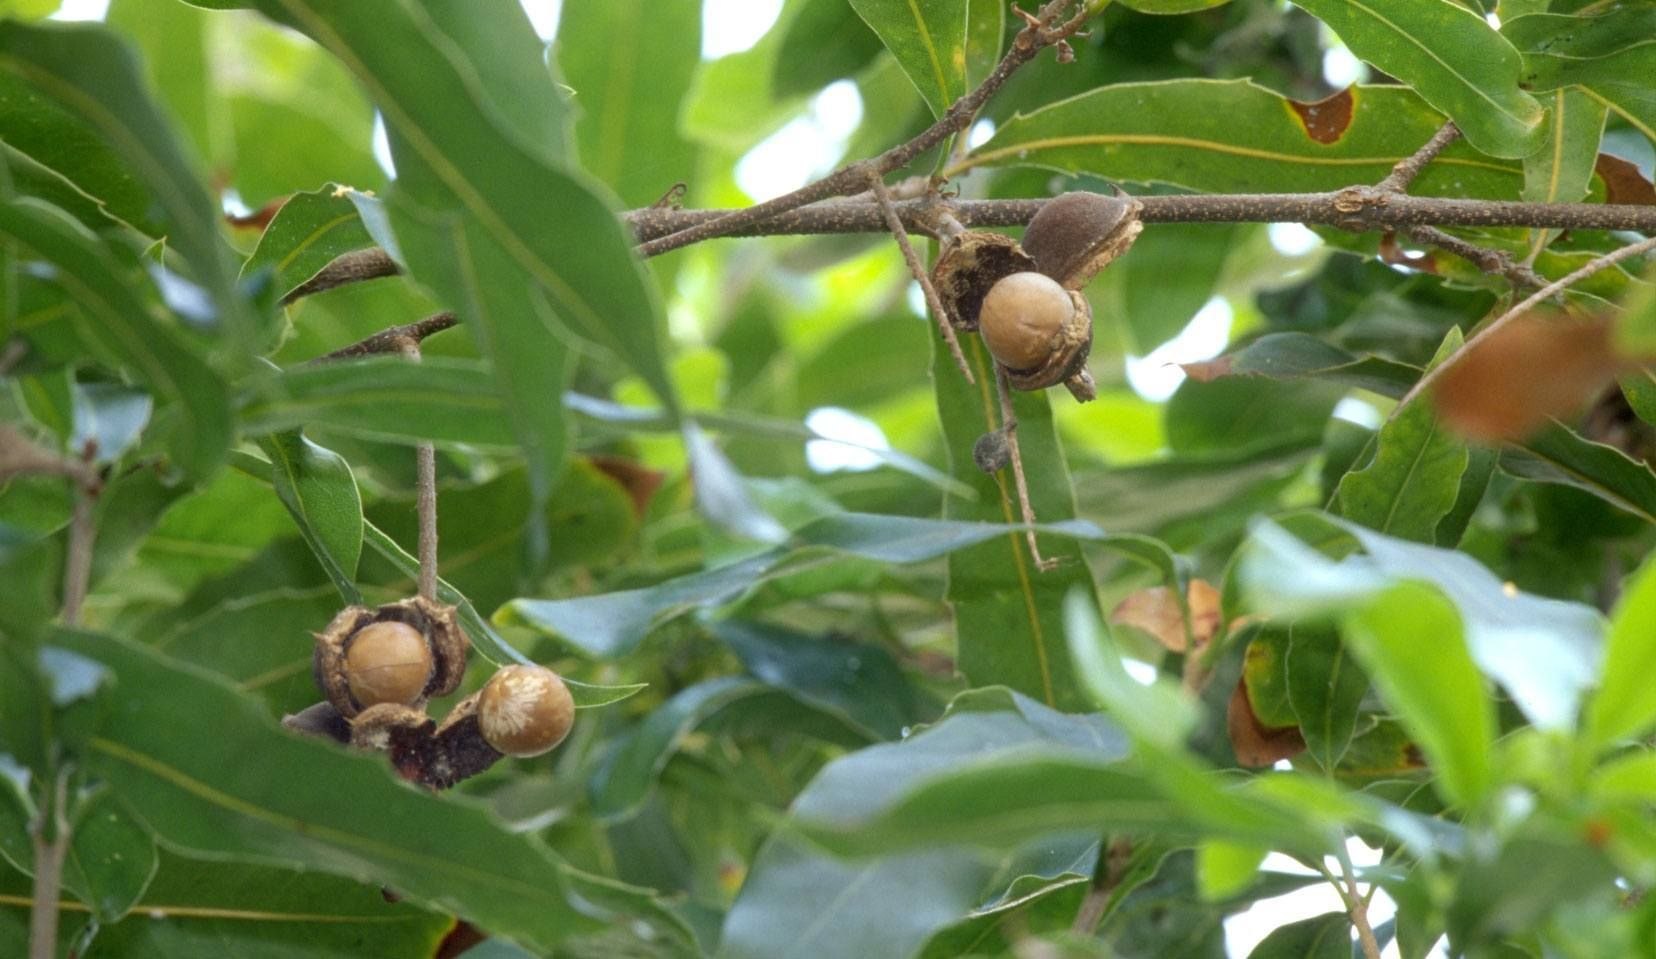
{"x": 112, "y": 857}
{"x": 1455, "y": 60}
{"x": 1224, "y": 869}
{"x": 304, "y": 802}
{"x": 1414, "y": 478}
{"x": 1158, "y": 712}
{"x": 1510, "y": 384}
{"x": 1544, "y": 651}
{"x": 928, "y": 37}
{"x": 197, "y": 423}
{"x": 1625, "y": 703}
{"x": 1303, "y": 356}
{"x": 1324, "y": 687}
{"x": 90, "y": 72}
{"x": 1172, "y": 273}
{"x": 316, "y": 486}
{"x": 387, "y": 398}
{"x": 1527, "y": 877}
{"x": 1327, "y": 936}
{"x": 627, "y": 61}
{"x": 1235, "y": 137}
{"x": 721, "y": 492}
{"x": 825, "y": 41}
{"x": 308, "y": 232}
{"x": 1246, "y": 413}
{"x": 109, "y": 420}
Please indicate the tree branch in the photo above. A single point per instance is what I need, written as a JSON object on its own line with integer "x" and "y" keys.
{"x": 917, "y": 269}
{"x": 1482, "y": 257}
{"x": 394, "y": 339}
{"x": 1044, "y": 29}
{"x": 1404, "y": 173}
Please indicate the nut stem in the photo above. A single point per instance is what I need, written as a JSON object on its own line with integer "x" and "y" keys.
{"x": 895, "y": 224}
{"x": 1009, "y": 426}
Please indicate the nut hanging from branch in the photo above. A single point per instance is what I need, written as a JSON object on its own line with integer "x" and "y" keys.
{"x": 401, "y": 653}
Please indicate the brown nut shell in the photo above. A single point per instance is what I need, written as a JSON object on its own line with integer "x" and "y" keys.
{"x": 525, "y": 710}
{"x": 435, "y": 622}
{"x": 969, "y": 266}
{"x": 1074, "y": 235}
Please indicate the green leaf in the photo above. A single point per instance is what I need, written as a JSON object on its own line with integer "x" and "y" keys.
{"x": 1327, "y": 936}
{"x": 1325, "y": 687}
{"x": 1158, "y": 713}
{"x": 859, "y": 682}
{"x": 1452, "y": 57}
{"x": 303, "y": 802}
{"x": 1414, "y": 478}
{"x": 112, "y": 858}
{"x": 1292, "y": 356}
{"x": 628, "y": 92}
{"x": 125, "y": 331}
{"x": 448, "y": 402}
{"x": 1606, "y": 55}
{"x": 825, "y": 41}
{"x": 92, "y": 74}
{"x": 1224, "y": 869}
{"x": 1172, "y": 274}
{"x": 928, "y": 38}
{"x": 1559, "y": 454}
{"x": 308, "y": 232}
{"x": 1562, "y": 170}
{"x": 1544, "y": 651}
{"x": 316, "y": 486}
{"x": 1625, "y": 703}
{"x": 1235, "y": 137}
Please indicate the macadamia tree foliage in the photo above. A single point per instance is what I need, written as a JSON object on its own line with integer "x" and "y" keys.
{"x": 829, "y": 478}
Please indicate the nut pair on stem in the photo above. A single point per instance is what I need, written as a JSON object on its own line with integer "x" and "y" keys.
{"x": 379, "y": 667}
{"x": 1025, "y": 300}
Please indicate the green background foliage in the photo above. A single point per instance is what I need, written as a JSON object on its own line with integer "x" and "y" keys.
{"x": 829, "y": 704}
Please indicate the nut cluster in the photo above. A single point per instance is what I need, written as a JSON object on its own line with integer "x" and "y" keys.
{"x": 379, "y": 667}
{"x": 1024, "y": 298}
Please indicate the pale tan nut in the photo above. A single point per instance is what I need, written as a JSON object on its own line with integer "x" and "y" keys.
{"x": 1075, "y": 235}
{"x": 525, "y": 710}
{"x": 1039, "y": 332}
{"x": 387, "y": 669}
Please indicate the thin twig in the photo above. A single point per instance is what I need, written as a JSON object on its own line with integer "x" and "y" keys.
{"x": 1356, "y": 208}
{"x": 392, "y": 340}
{"x": 1409, "y": 167}
{"x": 1047, "y": 28}
{"x": 347, "y": 268}
{"x": 1009, "y": 426}
{"x": 945, "y": 324}
{"x": 1524, "y": 306}
{"x": 425, "y": 498}
{"x": 1482, "y": 257}
{"x": 77, "y": 558}
{"x": 1113, "y": 860}
{"x": 1357, "y": 907}
{"x": 49, "y": 855}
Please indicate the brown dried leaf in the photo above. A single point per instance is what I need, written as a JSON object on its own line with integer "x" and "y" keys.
{"x": 1537, "y": 367}
{"x": 1156, "y": 612}
{"x": 1623, "y": 183}
{"x": 1326, "y": 120}
{"x": 1255, "y": 744}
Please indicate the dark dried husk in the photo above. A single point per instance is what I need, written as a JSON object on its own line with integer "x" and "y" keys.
{"x": 436, "y": 757}
{"x": 435, "y": 621}
{"x": 969, "y": 266}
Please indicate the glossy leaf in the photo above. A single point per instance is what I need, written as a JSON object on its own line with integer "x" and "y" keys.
{"x": 126, "y": 332}
{"x": 307, "y": 233}
{"x": 1605, "y": 55}
{"x": 192, "y": 783}
{"x": 627, "y": 126}
{"x": 1452, "y": 57}
{"x": 112, "y": 857}
{"x": 1414, "y": 478}
{"x": 316, "y": 486}
{"x": 1562, "y": 170}
{"x": 384, "y": 398}
{"x": 1236, "y": 137}
{"x": 91, "y": 73}
{"x": 928, "y": 37}
{"x": 1558, "y": 454}
{"x": 1327, "y": 936}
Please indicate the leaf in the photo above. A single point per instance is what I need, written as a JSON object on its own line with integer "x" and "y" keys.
{"x": 1603, "y": 54}
{"x": 611, "y": 624}
{"x": 1327, "y": 936}
{"x": 316, "y": 486}
{"x": 928, "y": 38}
{"x": 125, "y": 331}
{"x": 386, "y": 398}
{"x": 1172, "y": 274}
{"x": 88, "y": 71}
{"x": 1235, "y": 137}
{"x": 307, "y": 233}
{"x": 1414, "y": 478}
{"x": 1157, "y": 712}
{"x": 721, "y": 492}
{"x": 1562, "y": 170}
{"x": 1558, "y": 454}
{"x": 1325, "y": 687}
{"x": 1224, "y": 869}
{"x": 859, "y": 682}
{"x": 111, "y": 859}
{"x": 304, "y": 802}
{"x": 825, "y": 41}
{"x": 1303, "y": 356}
{"x": 1452, "y": 57}
{"x": 1625, "y": 703}
{"x": 627, "y": 126}
{"x": 1544, "y": 651}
